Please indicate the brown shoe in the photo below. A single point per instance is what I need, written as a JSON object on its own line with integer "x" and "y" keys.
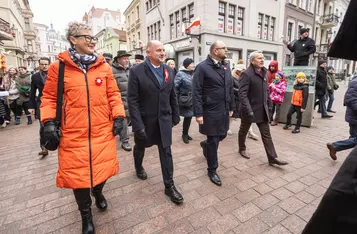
{"x": 43, "y": 152}
{"x": 278, "y": 162}
{"x": 273, "y": 123}
{"x": 244, "y": 154}
{"x": 332, "y": 151}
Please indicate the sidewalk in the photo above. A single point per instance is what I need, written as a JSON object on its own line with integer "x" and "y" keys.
{"x": 254, "y": 197}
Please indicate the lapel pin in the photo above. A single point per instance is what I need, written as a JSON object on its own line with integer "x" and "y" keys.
{"x": 98, "y": 81}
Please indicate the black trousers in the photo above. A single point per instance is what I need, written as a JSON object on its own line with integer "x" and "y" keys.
{"x": 186, "y": 125}
{"x": 304, "y": 62}
{"x": 83, "y": 198}
{"x": 291, "y": 111}
{"x": 211, "y": 147}
{"x": 276, "y": 110}
{"x": 167, "y": 167}
{"x": 264, "y": 130}
{"x": 17, "y": 109}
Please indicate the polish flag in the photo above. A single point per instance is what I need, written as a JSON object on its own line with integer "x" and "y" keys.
{"x": 141, "y": 43}
{"x": 196, "y": 22}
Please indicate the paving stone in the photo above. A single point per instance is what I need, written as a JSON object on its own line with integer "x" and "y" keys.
{"x": 203, "y": 217}
{"x": 130, "y": 220}
{"x": 273, "y": 215}
{"x": 316, "y": 190}
{"x": 291, "y": 205}
{"x": 295, "y": 186}
{"x": 247, "y": 196}
{"x": 294, "y": 224}
{"x": 246, "y": 184}
{"x": 305, "y": 197}
{"x": 306, "y": 212}
{"x": 262, "y": 188}
{"x": 246, "y": 212}
{"x": 276, "y": 183}
{"x": 265, "y": 201}
{"x": 308, "y": 180}
{"x": 150, "y": 226}
{"x": 282, "y": 193}
{"x": 181, "y": 227}
{"x": 223, "y": 224}
{"x": 179, "y": 212}
{"x": 228, "y": 205}
{"x": 205, "y": 202}
{"x": 252, "y": 226}
{"x": 278, "y": 229}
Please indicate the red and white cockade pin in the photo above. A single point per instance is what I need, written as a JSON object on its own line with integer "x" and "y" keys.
{"x": 225, "y": 68}
{"x": 98, "y": 81}
{"x": 166, "y": 75}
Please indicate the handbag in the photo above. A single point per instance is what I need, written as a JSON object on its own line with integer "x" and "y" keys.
{"x": 54, "y": 143}
{"x": 336, "y": 86}
{"x": 185, "y": 99}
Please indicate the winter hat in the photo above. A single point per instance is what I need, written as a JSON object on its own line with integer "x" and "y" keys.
{"x": 321, "y": 62}
{"x": 187, "y": 62}
{"x": 281, "y": 75}
{"x": 108, "y": 56}
{"x": 329, "y": 68}
{"x": 300, "y": 75}
{"x": 238, "y": 67}
{"x": 139, "y": 56}
{"x": 304, "y": 30}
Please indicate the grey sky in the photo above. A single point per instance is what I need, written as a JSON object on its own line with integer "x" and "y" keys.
{"x": 61, "y": 12}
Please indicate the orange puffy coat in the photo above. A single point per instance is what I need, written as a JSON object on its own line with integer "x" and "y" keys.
{"x": 87, "y": 150}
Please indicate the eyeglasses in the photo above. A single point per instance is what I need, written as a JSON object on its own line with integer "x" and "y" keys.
{"x": 44, "y": 64}
{"x": 88, "y": 38}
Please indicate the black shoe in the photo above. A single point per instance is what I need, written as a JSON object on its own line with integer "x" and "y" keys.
{"x": 215, "y": 179}
{"x": 277, "y": 162}
{"x": 17, "y": 121}
{"x": 331, "y": 111}
{"x": 326, "y": 116}
{"x": 287, "y": 126}
{"x": 174, "y": 195}
{"x": 244, "y": 154}
{"x": 189, "y": 138}
{"x": 126, "y": 146}
{"x": 29, "y": 120}
{"x": 203, "y": 145}
{"x": 100, "y": 200}
{"x": 87, "y": 222}
{"x": 141, "y": 174}
{"x": 185, "y": 139}
{"x": 316, "y": 104}
{"x": 295, "y": 131}
{"x": 43, "y": 152}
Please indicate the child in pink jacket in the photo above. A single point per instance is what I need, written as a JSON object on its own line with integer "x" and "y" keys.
{"x": 277, "y": 90}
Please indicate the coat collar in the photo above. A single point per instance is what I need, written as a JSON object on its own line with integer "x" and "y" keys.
{"x": 153, "y": 77}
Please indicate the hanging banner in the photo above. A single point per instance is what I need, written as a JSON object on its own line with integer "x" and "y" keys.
{"x": 271, "y": 34}
{"x": 230, "y": 26}
{"x": 221, "y": 23}
{"x": 259, "y": 31}
{"x": 239, "y": 28}
{"x": 265, "y": 33}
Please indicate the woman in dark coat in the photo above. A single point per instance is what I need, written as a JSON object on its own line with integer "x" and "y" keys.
{"x": 183, "y": 85}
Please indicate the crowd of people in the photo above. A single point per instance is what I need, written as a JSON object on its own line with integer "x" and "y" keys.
{"x": 103, "y": 96}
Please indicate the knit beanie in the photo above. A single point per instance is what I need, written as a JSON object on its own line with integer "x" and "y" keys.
{"x": 329, "y": 68}
{"x": 300, "y": 75}
{"x": 187, "y": 62}
{"x": 281, "y": 75}
{"x": 321, "y": 62}
{"x": 303, "y": 30}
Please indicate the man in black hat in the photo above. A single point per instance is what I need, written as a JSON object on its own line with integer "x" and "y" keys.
{"x": 139, "y": 58}
{"x": 108, "y": 58}
{"x": 302, "y": 48}
{"x": 120, "y": 68}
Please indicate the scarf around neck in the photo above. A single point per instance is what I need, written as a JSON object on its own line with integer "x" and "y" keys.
{"x": 84, "y": 61}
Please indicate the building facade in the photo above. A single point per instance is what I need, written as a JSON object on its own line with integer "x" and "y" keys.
{"x": 22, "y": 51}
{"x": 110, "y": 40}
{"x": 298, "y": 14}
{"x": 51, "y": 41}
{"x": 99, "y": 19}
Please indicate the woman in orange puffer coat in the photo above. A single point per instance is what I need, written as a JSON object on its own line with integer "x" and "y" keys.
{"x": 92, "y": 115}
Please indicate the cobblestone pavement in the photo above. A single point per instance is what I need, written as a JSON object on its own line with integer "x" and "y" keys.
{"x": 254, "y": 198}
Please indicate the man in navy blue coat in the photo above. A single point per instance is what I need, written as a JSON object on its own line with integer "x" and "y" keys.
{"x": 213, "y": 103}
{"x": 154, "y": 111}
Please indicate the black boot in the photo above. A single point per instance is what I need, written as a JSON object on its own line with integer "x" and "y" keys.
{"x": 100, "y": 200}
{"x": 185, "y": 138}
{"x": 84, "y": 206}
{"x": 29, "y": 120}
{"x": 17, "y": 120}
{"x": 138, "y": 154}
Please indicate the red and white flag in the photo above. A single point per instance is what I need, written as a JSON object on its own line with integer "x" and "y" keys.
{"x": 196, "y": 22}
{"x": 141, "y": 43}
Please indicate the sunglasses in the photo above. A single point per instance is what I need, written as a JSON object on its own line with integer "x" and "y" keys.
{"x": 88, "y": 38}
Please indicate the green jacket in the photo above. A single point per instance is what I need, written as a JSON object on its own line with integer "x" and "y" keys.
{"x": 23, "y": 84}
{"x": 331, "y": 82}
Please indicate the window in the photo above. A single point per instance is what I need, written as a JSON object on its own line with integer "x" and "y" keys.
{"x": 190, "y": 12}
{"x": 148, "y": 28}
{"x": 49, "y": 48}
{"x": 159, "y": 29}
{"x": 266, "y": 27}
{"x": 29, "y": 45}
{"x": 231, "y": 17}
{"x": 311, "y": 6}
{"x": 106, "y": 16}
{"x": 138, "y": 35}
{"x": 287, "y": 60}
{"x": 290, "y": 31}
{"x": 128, "y": 20}
{"x": 155, "y": 32}
{"x": 152, "y": 32}
{"x": 177, "y": 16}
{"x": 221, "y": 17}
{"x": 147, "y": 6}
{"x": 260, "y": 25}
{"x": 27, "y": 24}
{"x": 302, "y": 4}
{"x": 172, "y": 26}
{"x": 137, "y": 12}
{"x": 240, "y": 21}
{"x": 184, "y": 16}
{"x": 150, "y": 4}
{"x": 272, "y": 29}
{"x": 292, "y": 2}
{"x": 299, "y": 29}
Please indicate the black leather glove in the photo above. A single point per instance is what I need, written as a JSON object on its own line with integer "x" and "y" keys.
{"x": 250, "y": 116}
{"x": 117, "y": 126}
{"x": 175, "y": 121}
{"x": 51, "y": 135}
{"x": 140, "y": 134}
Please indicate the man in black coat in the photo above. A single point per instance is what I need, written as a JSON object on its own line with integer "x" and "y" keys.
{"x": 255, "y": 105}
{"x": 154, "y": 111}
{"x": 302, "y": 48}
{"x": 37, "y": 83}
{"x": 213, "y": 103}
{"x": 321, "y": 88}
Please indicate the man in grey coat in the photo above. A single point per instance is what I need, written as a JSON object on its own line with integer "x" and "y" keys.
{"x": 120, "y": 68}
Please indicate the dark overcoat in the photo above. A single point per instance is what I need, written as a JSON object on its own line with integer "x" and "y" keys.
{"x": 236, "y": 98}
{"x": 254, "y": 95}
{"x": 152, "y": 106}
{"x": 350, "y": 101}
{"x": 36, "y": 84}
{"x": 321, "y": 81}
{"x": 337, "y": 211}
{"x": 213, "y": 97}
{"x": 183, "y": 84}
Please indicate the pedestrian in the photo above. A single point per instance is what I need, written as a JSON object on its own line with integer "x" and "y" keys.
{"x": 108, "y": 58}
{"x": 298, "y": 101}
{"x": 321, "y": 88}
{"x": 302, "y": 48}
{"x": 9, "y": 85}
{"x": 139, "y": 58}
{"x": 331, "y": 87}
{"x": 236, "y": 73}
{"x": 23, "y": 84}
{"x": 272, "y": 70}
{"x": 154, "y": 111}
{"x": 277, "y": 90}
{"x": 254, "y": 106}
{"x": 38, "y": 81}
{"x": 213, "y": 103}
{"x": 120, "y": 68}
{"x": 92, "y": 115}
{"x": 183, "y": 85}
{"x": 350, "y": 101}
{"x": 171, "y": 63}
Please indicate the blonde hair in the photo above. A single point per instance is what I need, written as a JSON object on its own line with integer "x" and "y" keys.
{"x": 169, "y": 61}
{"x": 74, "y": 28}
